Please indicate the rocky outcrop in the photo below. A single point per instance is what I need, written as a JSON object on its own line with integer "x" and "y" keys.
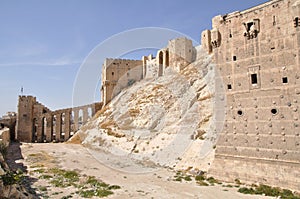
{"x": 160, "y": 120}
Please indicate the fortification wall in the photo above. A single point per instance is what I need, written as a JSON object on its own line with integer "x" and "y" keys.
{"x": 182, "y": 53}
{"x": 257, "y": 52}
{"x": 37, "y": 123}
{"x": 118, "y": 74}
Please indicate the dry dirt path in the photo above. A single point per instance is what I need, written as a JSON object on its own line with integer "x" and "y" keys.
{"x": 157, "y": 184}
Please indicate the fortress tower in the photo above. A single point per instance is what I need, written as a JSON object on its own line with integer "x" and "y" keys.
{"x": 24, "y": 130}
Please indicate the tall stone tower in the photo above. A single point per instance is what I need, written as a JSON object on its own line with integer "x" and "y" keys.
{"x": 25, "y": 128}
{"x": 181, "y": 53}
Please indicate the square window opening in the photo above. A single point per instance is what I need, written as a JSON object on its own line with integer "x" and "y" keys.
{"x": 285, "y": 80}
{"x": 234, "y": 58}
{"x": 229, "y": 86}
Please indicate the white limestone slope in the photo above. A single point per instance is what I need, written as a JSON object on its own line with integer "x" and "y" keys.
{"x": 165, "y": 121}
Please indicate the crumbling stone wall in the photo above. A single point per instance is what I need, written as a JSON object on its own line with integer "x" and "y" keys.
{"x": 9, "y": 121}
{"x": 37, "y": 123}
{"x": 5, "y": 136}
{"x": 257, "y": 52}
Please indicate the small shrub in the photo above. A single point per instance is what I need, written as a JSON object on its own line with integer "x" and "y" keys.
{"x": 11, "y": 178}
{"x": 178, "y": 179}
{"x": 237, "y": 181}
{"x": 212, "y": 181}
{"x": 246, "y": 190}
{"x": 199, "y": 178}
{"x": 187, "y": 178}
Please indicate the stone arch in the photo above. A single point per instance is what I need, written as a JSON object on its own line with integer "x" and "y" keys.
{"x": 72, "y": 122}
{"x": 90, "y": 112}
{"x": 34, "y": 130}
{"x": 167, "y": 58}
{"x": 80, "y": 118}
{"x": 160, "y": 63}
{"x": 54, "y": 127}
{"x": 63, "y": 126}
{"x": 44, "y": 129}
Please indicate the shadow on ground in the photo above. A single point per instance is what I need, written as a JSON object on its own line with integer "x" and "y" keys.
{"x": 14, "y": 157}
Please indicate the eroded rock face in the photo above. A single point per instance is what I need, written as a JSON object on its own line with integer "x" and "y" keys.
{"x": 160, "y": 119}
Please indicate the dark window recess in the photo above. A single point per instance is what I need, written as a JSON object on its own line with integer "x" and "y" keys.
{"x": 234, "y": 58}
{"x": 296, "y": 22}
{"x": 240, "y": 112}
{"x": 230, "y": 35}
{"x": 274, "y": 20}
{"x": 112, "y": 73}
{"x": 272, "y": 48}
{"x": 254, "y": 78}
{"x": 284, "y": 80}
{"x": 229, "y": 86}
{"x": 274, "y": 111}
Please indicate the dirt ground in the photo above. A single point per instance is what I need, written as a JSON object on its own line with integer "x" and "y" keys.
{"x": 135, "y": 182}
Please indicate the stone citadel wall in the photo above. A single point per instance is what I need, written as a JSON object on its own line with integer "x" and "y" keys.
{"x": 37, "y": 123}
{"x": 257, "y": 52}
{"x": 118, "y": 74}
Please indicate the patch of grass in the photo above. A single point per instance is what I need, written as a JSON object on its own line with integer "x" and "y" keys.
{"x": 199, "y": 178}
{"x": 187, "y": 178}
{"x": 98, "y": 193}
{"x": 181, "y": 176}
{"x": 71, "y": 176}
{"x": 87, "y": 186}
{"x": 269, "y": 191}
{"x": 67, "y": 197}
{"x": 39, "y": 171}
{"x": 202, "y": 183}
{"x": 58, "y": 182}
{"x": 179, "y": 179}
{"x": 11, "y": 178}
{"x": 237, "y": 181}
{"x": 56, "y": 193}
{"x": 212, "y": 181}
{"x": 37, "y": 166}
{"x": 42, "y": 188}
{"x": 46, "y": 177}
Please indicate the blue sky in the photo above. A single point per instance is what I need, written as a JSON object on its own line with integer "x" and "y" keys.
{"x": 43, "y": 43}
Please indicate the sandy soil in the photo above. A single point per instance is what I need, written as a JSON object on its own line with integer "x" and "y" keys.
{"x": 139, "y": 183}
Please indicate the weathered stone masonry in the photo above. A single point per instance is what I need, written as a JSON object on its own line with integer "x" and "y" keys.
{"x": 118, "y": 74}
{"x": 37, "y": 123}
{"x": 257, "y": 52}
